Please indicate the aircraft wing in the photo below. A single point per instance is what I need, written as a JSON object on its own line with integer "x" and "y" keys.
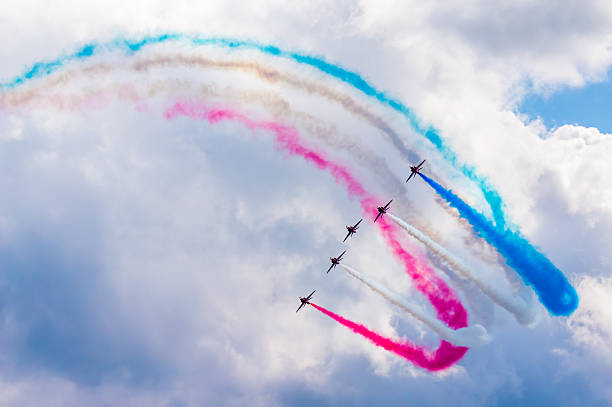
{"x": 377, "y": 216}
{"x": 357, "y": 224}
{"x": 310, "y": 295}
{"x": 419, "y": 166}
{"x": 300, "y": 307}
{"x": 347, "y": 236}
{"x": 388, "y": 203}
{"x": 410, "y": 176}
{"x": 341, "y": 254}
{"x": 330, "y": 267}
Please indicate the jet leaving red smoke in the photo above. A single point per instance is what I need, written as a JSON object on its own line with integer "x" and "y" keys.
{"x": 448, "y": 307}
{"x": 446, "y": 354}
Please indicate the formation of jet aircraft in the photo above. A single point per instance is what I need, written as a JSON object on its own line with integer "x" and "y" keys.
{"x": 414, "y": 170}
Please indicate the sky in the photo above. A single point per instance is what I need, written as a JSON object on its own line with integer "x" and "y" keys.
{"x": 580, "y": 105}
{"x": 147, "y": 259}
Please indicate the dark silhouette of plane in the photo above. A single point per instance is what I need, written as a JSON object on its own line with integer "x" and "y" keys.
{"x": 414, "y": 170}
{"x": 382, "y": 210}
{"x": 305, "y": 300}
{"x": 352, "y": 230}
{"x": 335, "y": 261}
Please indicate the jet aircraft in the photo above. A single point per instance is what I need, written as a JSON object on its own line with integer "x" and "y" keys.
{"x": 335, "y": 261}
{"x": 305, "y": 300}
{"x": 414, "y": 170}
{"x": 352, "y": 230}
{"x": 382, "y": 210}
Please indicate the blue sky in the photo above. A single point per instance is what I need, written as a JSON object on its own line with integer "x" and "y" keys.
{"x": 587, "y": 105}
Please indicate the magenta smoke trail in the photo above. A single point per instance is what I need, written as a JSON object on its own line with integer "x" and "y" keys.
{"x": 446, "y": 354}
{"x": 448, "y": 307}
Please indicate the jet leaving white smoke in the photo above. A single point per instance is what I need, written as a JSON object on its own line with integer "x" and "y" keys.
{"x": 525, "y": 313}
{"x": 471, "y": 336}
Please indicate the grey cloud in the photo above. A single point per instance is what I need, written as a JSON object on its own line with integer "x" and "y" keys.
{"x": 529, "y": 28}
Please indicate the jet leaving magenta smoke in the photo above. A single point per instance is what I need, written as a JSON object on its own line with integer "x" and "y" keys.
{"x": 447, "y": 305}
{"x": 446, "y": 354}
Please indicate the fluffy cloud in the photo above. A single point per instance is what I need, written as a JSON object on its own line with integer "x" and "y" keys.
{"x": 591, "y": 325}
{"x": 147, "y": 262}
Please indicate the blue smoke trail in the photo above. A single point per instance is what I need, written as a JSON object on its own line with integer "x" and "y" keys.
{"x": 41, "y": 69}
{"x": 549, "y": 283}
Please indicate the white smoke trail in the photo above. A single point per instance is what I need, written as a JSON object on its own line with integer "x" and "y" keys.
{"x": 470, "y": 336}
{"x": 525, "y": 314}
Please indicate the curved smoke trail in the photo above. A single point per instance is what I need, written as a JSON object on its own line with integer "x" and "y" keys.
{"x": 267, "y": 74}
{"x": 525, "y": 314}
{"x": 445, "y": 356}
{"x": 42, "y": 96}
{"x": 448, "y": 306}
{"x": 274, "y": 76}
{"x": 550, "y": 284}
{"x": 264, "y": 73}
{"x": 445, "y": 301}
{"x": 516, "y": 306}
{"x": 281, "y": 107}
{"x": 375, "y": 164}
{"x": 471, "y": 336}
{"x": 276, "y": 106}
{"x": 40, "y": 69}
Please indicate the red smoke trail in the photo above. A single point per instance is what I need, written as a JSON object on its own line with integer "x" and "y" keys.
{"x": 447, "y": 305}
{"x": 449, "y": 308}
{"x": 446, "y": 354}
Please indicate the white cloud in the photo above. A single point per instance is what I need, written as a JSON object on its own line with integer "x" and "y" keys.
{"x": 591, "y": 324}
{"x": 197, "y": 240}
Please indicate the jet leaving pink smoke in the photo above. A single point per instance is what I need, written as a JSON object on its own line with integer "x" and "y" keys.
{"x": 446, "y": 354}
{"x": 448, "y": 307}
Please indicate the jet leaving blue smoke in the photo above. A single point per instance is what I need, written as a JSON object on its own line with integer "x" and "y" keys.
{"x": 41, "y": 69}
{"x": 549, "y": 283}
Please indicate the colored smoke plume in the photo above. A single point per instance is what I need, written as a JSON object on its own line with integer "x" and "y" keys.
{"x": 470, "y": 336}
{"x": 526, "y": 314}
{"x": 131, "y": 46}
{"x": 444, "y": 300}
{"x": 445, "y": 356}
{"x": 549, "y": 283}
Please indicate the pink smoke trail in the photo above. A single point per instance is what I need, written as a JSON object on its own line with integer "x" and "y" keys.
{"x": 445, "y": 356}
{"x": 449, "y": 308}
{"x": 447, "y": 305}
